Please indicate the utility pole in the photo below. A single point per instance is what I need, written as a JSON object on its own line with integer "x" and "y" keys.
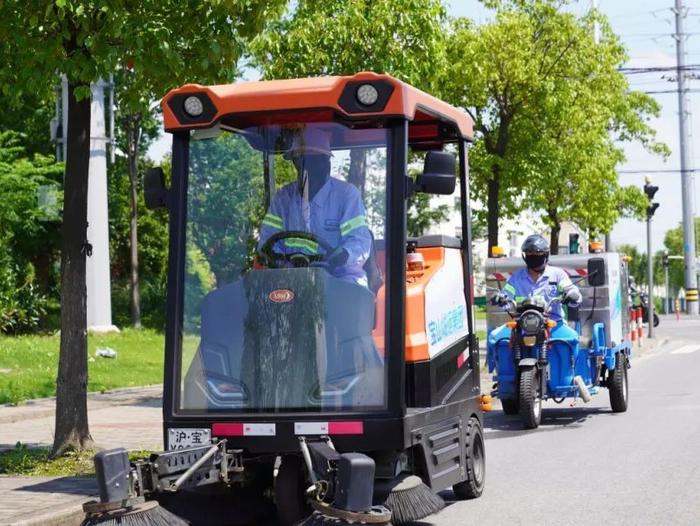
{"x": 691, "y": 279}
{"x": 596, "y": 38}
{"x": 650, "y": 190}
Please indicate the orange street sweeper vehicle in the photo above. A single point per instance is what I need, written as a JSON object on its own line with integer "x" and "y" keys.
{"x": 310, "y": 343}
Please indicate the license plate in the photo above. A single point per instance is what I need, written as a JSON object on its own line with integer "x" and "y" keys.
{"x": 182, "y": 437}
{"x": 529, "y": 340}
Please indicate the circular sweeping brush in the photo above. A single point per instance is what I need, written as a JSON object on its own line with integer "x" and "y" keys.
{"x": 410, "y": 500}
{"x": 321, "y": 519}
{"x": 145, "y": 514}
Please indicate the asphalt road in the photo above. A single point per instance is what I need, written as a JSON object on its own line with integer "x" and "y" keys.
{"x": 586, "y": 465}
{"x": 583, "y": 466}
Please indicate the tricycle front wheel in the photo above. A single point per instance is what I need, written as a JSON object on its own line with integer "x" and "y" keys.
{"x": 510, "y": 406}
{"x": 530, "y": 397}
{"x": 617, "y": 384}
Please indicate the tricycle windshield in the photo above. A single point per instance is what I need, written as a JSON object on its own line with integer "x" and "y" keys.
{"x": 283, "y": 297}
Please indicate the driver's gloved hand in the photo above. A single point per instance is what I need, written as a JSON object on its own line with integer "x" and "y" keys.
{"x": 572, "y": 296}
{"x": 499, "y": 299}
{"x": 338, "y": 257}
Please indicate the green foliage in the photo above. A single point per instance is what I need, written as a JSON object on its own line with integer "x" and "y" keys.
{"x": 343, "y": 37}
{"x": 24, "y": 461}
{"x": 673, "y": 241}
{"x": 32, "y": 362}
{"x": 548, "y": 103}
{"x": 421, "y": 215}
{"x": 225, "y": 203}
{"x": 165, "y": 42}
{"x": 152, "y": 249}
{"x": 28, "y": 233}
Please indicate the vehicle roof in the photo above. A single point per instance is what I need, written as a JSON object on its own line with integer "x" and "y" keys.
{"x": 246, "y": 104}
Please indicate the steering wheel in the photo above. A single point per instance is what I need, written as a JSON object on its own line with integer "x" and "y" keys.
{"x": 272, "y": 259}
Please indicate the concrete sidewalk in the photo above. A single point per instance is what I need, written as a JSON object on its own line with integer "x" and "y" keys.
{"x": 130, "y": 418}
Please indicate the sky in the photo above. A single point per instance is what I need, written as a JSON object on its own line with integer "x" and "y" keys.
{"x": 646, "y": 27}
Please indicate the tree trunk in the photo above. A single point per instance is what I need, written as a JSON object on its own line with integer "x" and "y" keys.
{"x": 554, "y": 233}
{"x": 358, "y": 169}
{"x": 133, "y": 156}
{"x": 494, "y": 186}
{"x": 72, "y": 430}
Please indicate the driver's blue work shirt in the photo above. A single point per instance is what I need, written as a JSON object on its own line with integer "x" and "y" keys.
{"x": 552, "y": 283}
{"x": 336, "y": 215}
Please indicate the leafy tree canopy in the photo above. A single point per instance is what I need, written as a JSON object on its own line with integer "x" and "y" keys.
{"x": 548, "y": 103}
{"x": 343, "y": 37}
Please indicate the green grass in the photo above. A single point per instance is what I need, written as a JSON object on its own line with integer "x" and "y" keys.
{"x": 36, "y": 461}
{"x": 28, "y": 363}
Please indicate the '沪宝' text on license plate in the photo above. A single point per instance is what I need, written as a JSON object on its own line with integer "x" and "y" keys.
{"x": 182, "y": 437}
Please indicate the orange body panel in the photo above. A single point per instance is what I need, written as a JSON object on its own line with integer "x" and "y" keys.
{"x": 314, "y": 94}
{"x": 416, "y": 281}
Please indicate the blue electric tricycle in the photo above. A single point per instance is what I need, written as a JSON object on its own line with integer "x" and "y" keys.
{"x": 535, "y": 358}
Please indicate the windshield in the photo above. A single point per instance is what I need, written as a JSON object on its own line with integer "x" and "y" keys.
{"x": 283, "y": 300}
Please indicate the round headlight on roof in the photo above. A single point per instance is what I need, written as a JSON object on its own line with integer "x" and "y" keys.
{"x": 367, "y": 94}
{"x": 193, "y": 106}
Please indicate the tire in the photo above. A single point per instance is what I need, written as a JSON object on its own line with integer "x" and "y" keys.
{"x": 618, "y": 386}
{"x": 656, "y": 320}
{"x": 530, "y": 398}
{"x": 289, "y": 491}
{"x": 510, "y": 406}
{"x": 473, "y": 486}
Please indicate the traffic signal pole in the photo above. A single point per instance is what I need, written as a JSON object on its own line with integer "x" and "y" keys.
{"x": 691, "y": 279}
{"x": 650, "y": 191}
{"x": 650, "y": 279}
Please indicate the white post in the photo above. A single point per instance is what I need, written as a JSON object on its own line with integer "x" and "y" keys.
{"x": 99, "y": 295}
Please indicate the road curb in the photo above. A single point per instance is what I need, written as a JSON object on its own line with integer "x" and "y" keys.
{"x": 72, "y": 516}
{"x": 43, "y": 407}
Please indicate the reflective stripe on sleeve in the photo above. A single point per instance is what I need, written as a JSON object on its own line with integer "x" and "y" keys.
{"x": 509, "y": 288}
{"x": 351, "y": 224}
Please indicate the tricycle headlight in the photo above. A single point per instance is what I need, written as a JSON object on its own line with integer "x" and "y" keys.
{"x": 531, "y": 322}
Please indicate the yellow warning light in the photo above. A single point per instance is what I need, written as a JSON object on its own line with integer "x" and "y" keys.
{"x": 497, "y": 252}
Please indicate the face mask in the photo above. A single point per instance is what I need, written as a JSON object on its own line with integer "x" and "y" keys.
{"x": 314, "y": 170}
{"x": 536, "y": 261}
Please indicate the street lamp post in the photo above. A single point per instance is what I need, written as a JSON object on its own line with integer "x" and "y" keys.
{"x": 650, "y": 190}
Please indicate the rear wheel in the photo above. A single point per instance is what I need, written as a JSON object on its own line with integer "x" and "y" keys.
{"x": 289, "y": 491}
{"x": 473, "y": 486}
{"x": 656, "y": 320}
{"x": 617, "y": 384}
{"x": 510, "y": 406}
{"x": 530, "y": 397}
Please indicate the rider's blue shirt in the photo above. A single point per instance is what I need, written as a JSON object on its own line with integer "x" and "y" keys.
{"x": 552, "y": 283}
{"x": 336, "y": 215}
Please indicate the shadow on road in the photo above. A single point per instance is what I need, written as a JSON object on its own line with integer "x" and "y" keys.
{"x": 499, "y": 425}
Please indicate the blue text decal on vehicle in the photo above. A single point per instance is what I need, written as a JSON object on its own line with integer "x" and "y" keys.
{"x": 449, "y": 323}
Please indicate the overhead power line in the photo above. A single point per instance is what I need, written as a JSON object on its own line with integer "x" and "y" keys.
{"x": 676, "y": 171}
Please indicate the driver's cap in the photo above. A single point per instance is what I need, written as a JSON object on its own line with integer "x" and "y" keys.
{"x": 310, "y": 140}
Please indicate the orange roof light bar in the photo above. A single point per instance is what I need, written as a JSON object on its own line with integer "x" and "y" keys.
{"x": 358, "y": 97}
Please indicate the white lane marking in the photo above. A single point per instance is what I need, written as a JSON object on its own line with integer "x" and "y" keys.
{"x": 686, "y": 349}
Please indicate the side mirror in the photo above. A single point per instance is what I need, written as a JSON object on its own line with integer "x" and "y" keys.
{"x": 438, "y": 175}
{"x": 154, "y": 192}
{"x": 596, "y": 272}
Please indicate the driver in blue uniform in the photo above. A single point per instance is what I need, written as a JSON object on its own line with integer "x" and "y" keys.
{"x": 540, "y": 279}
{"x": 326, "y": 207}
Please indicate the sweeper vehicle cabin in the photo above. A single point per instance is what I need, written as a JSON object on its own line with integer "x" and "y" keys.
{"x": 355, "y": 379}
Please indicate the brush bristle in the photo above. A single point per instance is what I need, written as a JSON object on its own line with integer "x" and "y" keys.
{"x": 147, "y": 516}
{"x": 319, "y": 519}
{"x": 411, "y": 500}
